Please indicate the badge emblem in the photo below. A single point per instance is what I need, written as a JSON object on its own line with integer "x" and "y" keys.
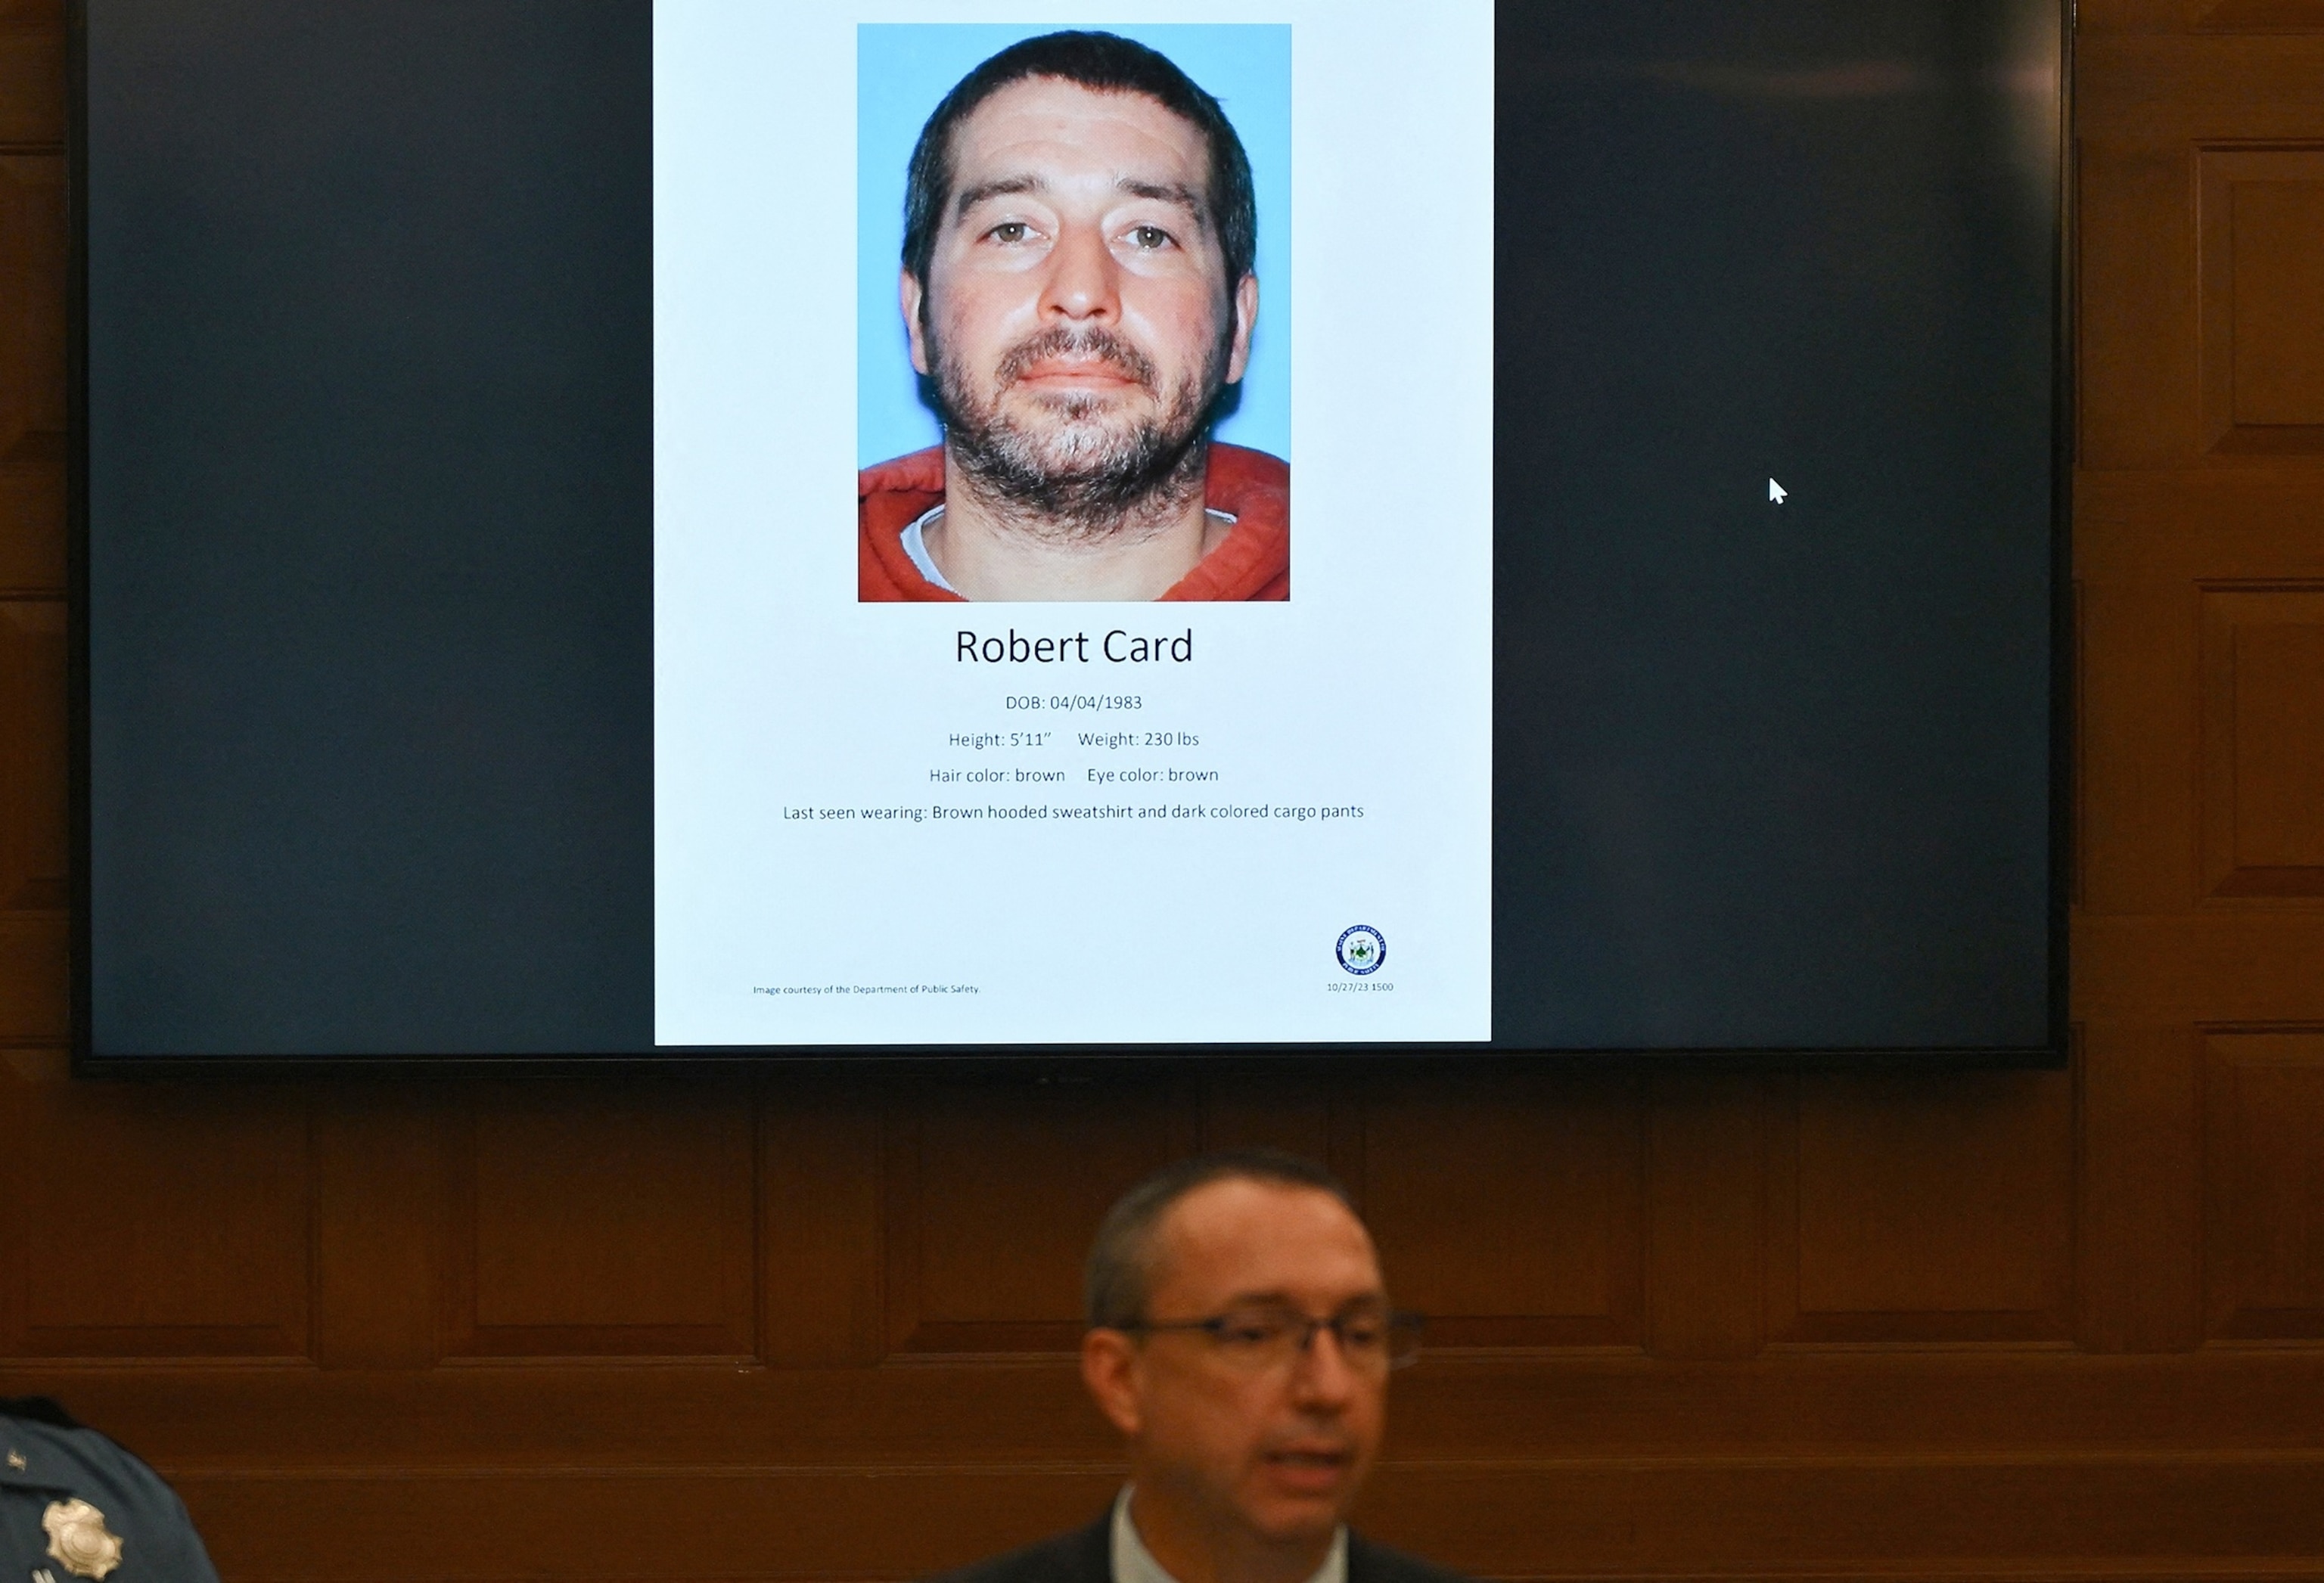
{"x": 16, "y": 1459}
{"x": 78, "y": 1538}
{"x": 1361, "y": 949}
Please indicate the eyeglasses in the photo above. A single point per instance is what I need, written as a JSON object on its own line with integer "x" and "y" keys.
{"x": 1262, "y": 1337}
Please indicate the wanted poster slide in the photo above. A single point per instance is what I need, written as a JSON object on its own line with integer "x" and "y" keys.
{"x": 1072, "y": 525}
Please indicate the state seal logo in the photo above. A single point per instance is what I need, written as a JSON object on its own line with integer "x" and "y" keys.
{"x": 78, "y": 1538}
{"x": 1361, "y": 949}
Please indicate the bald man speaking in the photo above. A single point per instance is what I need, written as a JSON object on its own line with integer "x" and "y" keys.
{"x": 1240, "y": 1338}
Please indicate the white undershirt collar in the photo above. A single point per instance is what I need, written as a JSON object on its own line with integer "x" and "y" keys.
{"x": 916, "y": 545}
{"x": 917, "y": 548}
{"x": 1134, "y": 1563}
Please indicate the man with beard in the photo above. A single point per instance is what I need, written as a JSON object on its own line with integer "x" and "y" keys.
{"x": 1078, "y": 287}
{"x": 1240, "y": 1340}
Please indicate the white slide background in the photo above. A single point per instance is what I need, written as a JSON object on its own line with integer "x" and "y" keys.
{"x": 776, "y": 692}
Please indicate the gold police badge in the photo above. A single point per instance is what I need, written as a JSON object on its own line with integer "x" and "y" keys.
{"x": 78, "y": 1538}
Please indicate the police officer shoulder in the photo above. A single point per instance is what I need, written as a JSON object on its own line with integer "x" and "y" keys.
{"x": 74, "y": 1505}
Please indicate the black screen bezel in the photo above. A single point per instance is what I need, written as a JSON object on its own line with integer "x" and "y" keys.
{"x": 2053, "y": 1053}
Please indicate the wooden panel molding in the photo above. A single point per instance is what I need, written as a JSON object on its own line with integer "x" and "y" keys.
{"x": 154, "y": 1221}
{"x": 32, "y": 770}
{"x": 2161, "y": 1515}
{"x": 2098, "y": 18}
{"x": 2261, "y": 235}
{"x": 33, "y": 257}
{"x": 1507, "y": 1406}
{"x": 2181, "y": 366}
{"x": 2170, "y": 90}
{"x": 32, "y": 243}
{"x": 31, "y": 73}
{"x": 1512, "y": 1211}
{"x": 1315, "y": 1119}
{"x": 2263, "y": 740}
{"x": 2255, "y": 16}
{"x": 984, "y": 1259}
{"x": 2138, "y": 1237}
{"x": 1922, "y": 1207}
{"x": 2136, "y": 340}
{"x": 35, "y": 958}
{"x": 383, "y": 1176}
{"x": 2263, "y": 1184}
{"x": 588, "y": 1220}
{"x": 2149, "y": 548}
{"x": 1707, "y": 1187}
{"x": 2137, "y": 726}
{"x": 2223, "y": 965}
{"x": 821, "y": 1196}
{"x": 338, "y": 1472}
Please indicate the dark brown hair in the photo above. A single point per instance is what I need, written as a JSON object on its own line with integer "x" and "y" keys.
{"x": 1106, "y": 63}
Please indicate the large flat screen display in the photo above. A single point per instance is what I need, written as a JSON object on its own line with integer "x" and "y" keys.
{"x": 633, "y": 528}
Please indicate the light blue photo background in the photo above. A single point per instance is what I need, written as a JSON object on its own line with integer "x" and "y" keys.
{"x": 902, "y": 69}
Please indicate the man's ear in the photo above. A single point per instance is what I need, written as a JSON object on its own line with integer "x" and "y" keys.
{"x": 1246, "y": 314}
{"x": 1110, "y": 1369}
{"x": 910, "y": 296}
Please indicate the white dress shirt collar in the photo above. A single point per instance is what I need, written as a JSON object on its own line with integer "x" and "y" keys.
{"x": 1134, "y": 1563}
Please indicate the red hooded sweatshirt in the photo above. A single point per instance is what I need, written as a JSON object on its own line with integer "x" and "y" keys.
{"x": 1252, "y": 562}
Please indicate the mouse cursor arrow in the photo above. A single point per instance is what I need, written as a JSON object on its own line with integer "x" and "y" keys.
{"x": 1776, "y": 491}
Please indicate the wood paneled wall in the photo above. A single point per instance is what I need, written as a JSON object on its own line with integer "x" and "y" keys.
{"x": 1775, "y": 1323}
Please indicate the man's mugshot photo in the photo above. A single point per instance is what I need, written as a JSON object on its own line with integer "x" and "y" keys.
{"x": 1073, "y": 313}
{"x": 1067, "y": 297}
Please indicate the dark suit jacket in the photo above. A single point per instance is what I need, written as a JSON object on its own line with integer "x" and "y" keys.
{"x": 1087, "y": 1556}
